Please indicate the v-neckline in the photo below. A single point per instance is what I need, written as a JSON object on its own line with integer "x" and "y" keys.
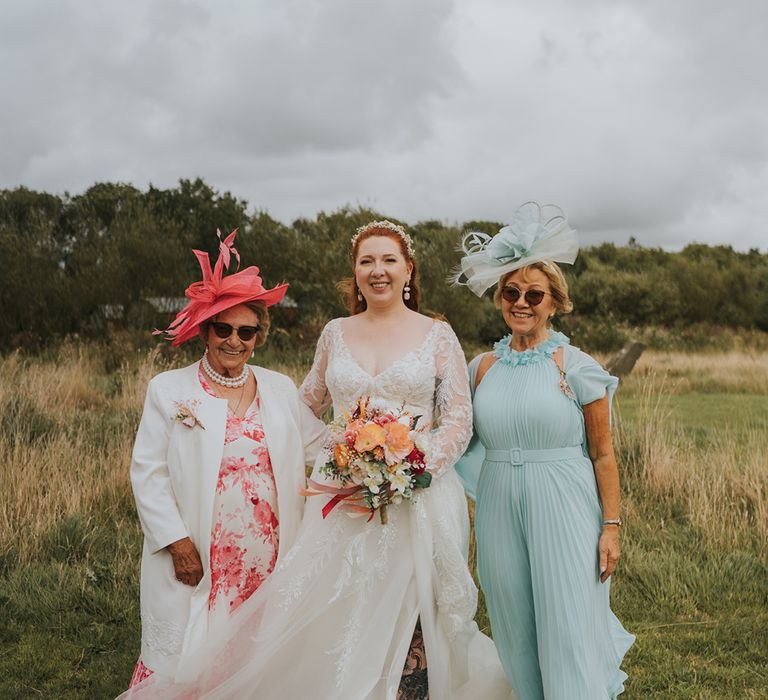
{"x": 348, "y": 350}
{"x": 253, "y": 408}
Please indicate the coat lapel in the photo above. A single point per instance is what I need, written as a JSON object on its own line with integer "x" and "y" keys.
{"x": 200, "y": 456}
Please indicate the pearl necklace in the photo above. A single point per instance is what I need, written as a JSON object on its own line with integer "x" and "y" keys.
{"x": 229, "y": 382}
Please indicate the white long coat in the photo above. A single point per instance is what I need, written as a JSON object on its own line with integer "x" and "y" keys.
{"x": 174, "y": 471}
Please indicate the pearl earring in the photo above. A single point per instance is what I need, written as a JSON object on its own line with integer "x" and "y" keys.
{"x": 407, "y": 291}
{"x": 359, "y": 295}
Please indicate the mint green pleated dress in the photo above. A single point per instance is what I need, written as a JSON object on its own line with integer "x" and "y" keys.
{"x": 538, "y": 520}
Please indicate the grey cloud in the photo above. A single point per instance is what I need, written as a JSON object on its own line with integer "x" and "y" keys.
{"x": 643, "y": 119}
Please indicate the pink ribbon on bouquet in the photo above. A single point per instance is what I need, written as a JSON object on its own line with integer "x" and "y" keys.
{"x": 339, "y": 495}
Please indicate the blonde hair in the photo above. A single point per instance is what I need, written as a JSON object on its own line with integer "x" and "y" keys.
{"x": 558, "y": 287}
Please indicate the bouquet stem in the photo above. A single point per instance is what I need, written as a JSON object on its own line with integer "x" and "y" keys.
{"x": 383, "y": 514}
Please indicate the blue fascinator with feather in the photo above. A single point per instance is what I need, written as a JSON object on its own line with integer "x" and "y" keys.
{"x": 536, "y": 233}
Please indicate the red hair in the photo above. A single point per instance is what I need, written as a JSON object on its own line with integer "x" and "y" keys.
{"x": 348, "y": 286}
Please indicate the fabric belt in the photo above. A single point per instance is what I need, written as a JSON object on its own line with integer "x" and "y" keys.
{"x": 518, "y": 457}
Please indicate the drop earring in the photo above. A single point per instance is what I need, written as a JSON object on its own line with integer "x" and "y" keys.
{"x": 407, "y": 291}
{"x": 359, "y": 295}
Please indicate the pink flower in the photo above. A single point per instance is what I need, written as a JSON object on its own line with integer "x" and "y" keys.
{"x": 383, "y": 418}
{"x": 254, "y": 432}
{"x": 234, "y": 429}
{"x": 253, "y": 579}
{"x": 264, "y": 517}
{"x": 186, "y": 413}
{"x": 226, "y": 562}
{"x": 263, "y": 463}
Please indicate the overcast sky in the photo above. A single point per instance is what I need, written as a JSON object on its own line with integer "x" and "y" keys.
{"x": 645, "y": 118}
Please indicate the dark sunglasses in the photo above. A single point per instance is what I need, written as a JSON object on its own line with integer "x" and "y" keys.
{"x": 533, "y": 297}
{"x": 245, "y": 333}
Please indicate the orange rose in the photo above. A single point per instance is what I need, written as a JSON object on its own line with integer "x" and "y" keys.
{"x": 398, "y": 443}
{"x": 341, "y": 455}
{"x": 370, "y": 436}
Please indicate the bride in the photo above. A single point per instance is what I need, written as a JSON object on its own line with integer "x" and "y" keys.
{"x": 340, "y": 613}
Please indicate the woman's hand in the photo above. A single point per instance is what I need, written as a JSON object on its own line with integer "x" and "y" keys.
{"x": 186, "y": 562}
{"x": 610, "y": 551}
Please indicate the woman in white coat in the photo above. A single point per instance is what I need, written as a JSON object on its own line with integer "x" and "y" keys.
{"x": 217, "y": 468}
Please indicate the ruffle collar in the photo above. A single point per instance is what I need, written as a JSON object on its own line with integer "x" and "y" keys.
{"x": 532, "y": 355}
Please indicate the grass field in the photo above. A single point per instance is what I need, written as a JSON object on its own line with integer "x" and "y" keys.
{"x": 691, "y": 433}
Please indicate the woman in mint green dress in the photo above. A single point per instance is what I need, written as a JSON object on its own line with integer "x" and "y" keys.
{"x": 542, "y": 471}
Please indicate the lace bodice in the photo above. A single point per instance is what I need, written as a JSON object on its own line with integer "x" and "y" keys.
{"x": 431, "y": 381}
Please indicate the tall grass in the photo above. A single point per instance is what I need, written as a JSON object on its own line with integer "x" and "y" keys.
{"x": 693, "y": 581}
{"x": 728, "y": 372}
{"x": 719, "y": 487}
{"x": 65, "y": 443}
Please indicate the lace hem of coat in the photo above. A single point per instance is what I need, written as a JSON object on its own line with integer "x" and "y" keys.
{"x": 163, "y": 637}
{"x": 538, "y": 353}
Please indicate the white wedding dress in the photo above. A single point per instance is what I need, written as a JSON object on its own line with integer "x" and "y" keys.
{"x": 336, "y": 617}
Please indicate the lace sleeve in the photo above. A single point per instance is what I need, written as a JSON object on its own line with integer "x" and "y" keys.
{"x": 453, "y": 403}
{"x": 313, "y": 391}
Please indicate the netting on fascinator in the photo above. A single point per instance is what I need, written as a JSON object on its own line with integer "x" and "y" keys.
{"x": 536, "y": 233}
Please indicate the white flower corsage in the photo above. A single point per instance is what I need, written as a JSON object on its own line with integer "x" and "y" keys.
{"x": 186, "y": 413}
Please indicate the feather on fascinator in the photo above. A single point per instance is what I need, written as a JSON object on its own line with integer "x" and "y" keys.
{"x": 216, "y": 293}
{"x": 536, "y": 233}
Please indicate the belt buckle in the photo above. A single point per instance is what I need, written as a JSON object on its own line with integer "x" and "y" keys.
{"x": 516, "y": 457}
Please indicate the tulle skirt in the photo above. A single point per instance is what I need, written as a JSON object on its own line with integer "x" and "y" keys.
{"x": 336, "y": 618}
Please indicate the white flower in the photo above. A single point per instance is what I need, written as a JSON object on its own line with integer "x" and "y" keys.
{"x": 405, "y": 419}
{"x": 373, "y": 481}
{"x": 357, "y": 471}
{"x": 400, "y": 481}
{"x": 421, "y": 439}
{"x": 397, "y": 498}
{"x": 376, "y": 501}
{"x": 379, "y": 404}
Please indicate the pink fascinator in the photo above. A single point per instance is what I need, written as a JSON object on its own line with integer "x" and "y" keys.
{"x": 216, "y": 293}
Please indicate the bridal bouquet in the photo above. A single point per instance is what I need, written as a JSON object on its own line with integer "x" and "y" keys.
{"x": 377, "y": 456}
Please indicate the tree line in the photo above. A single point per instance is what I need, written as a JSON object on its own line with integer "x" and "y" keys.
{"x": 68, "y": 260}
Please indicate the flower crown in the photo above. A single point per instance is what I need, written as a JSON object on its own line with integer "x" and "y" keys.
{"x": 399, "y": 230}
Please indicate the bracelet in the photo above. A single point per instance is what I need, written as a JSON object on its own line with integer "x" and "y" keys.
{"x": 617, "y": 522}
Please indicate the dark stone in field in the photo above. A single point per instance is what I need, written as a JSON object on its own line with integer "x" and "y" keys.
{"x": 621, "y": 365}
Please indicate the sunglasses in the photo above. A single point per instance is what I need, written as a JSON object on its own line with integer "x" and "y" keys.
{"x": 245, "y": 333}
{"x": 533, "y": 297}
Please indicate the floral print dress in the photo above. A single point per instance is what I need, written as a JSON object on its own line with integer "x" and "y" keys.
{"x": 245, "y": 532}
